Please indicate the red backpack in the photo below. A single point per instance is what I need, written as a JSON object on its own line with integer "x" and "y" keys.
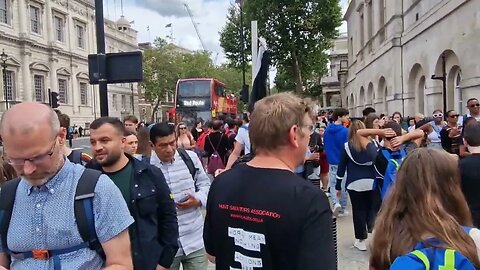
{"x": 201, "y": 140}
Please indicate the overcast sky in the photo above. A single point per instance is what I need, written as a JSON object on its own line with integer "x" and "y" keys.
{"x": 210, "y": 16}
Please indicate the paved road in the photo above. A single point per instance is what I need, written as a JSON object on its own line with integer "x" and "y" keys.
{"x": 82, "y": 143}
{"x": 348, "y": 257}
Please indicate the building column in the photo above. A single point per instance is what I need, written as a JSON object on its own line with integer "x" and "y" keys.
{"x": 49, "y": 23}
{"x": 26, "y": 93}
{"x": 75, "y": 92}
{"x": 23, "y": 18}
{"x": 53, "y": 74}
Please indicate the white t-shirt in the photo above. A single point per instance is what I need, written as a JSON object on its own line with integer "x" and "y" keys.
{"x": 243, "y": 138}
{"x": 461, "y": 119}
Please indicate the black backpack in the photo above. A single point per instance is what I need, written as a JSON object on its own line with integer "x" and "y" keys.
{"x": 83, "y": 209}
{"x": 76, "y": 157}
{"x": 188, "y": 161}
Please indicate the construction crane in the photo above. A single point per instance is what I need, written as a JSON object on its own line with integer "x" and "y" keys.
{"x": 195, "y": 25}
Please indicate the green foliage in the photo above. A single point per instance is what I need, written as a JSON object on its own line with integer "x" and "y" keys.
{"x": 165, "y": 64}
{"x": 298, "y": 32}
{"x": 231, "y": 41}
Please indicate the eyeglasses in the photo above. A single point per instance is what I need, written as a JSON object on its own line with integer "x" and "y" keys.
{"x": 310, "y": 127}
{"x": 437, "y": 115}
{"x": 38, "y": 160}
{"x": 474, "y": 105}
{"x": 172, "y": 143}
{"x": 454, "y": 115}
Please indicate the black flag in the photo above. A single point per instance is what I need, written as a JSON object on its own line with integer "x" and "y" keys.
{"x": 259, "y": 89}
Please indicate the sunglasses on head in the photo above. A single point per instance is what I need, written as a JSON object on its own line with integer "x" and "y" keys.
{"x": 454, "y": 115}
{"x": 437, "y": 115}
{"x": 475, "y": 105}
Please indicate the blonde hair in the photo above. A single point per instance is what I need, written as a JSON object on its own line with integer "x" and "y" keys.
{"x": 353, "y": 139}
{"x": 273, "y": 117}
{"x": 426, "y": 201}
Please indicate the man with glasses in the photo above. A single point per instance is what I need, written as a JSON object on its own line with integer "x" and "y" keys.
{"x": 473, "y": 107}
{"x": 190, "y": 188}
{"x": 260, "y": 215}
{"x": 155, "y": 231}
{"x": 42, "y": 230}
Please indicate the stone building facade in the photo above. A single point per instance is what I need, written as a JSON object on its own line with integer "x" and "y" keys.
{"x": 332, "y": 85}
{"x": 394, "y": 48}
{"x": 47, "y": 43}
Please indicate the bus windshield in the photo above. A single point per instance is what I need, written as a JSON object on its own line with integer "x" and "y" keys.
{"x": 193, "y": 88}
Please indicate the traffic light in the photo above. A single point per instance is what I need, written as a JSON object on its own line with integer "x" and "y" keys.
{"x": 244, "y": 94}
{"x": 54, "y": 100}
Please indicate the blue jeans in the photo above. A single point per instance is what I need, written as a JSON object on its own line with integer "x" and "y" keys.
{"x": 332, "y": 181}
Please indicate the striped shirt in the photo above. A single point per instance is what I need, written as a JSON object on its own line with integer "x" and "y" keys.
{"x": 179, "y": 179}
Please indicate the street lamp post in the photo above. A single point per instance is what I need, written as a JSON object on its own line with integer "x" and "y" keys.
{"x": 4, "y": 58}
{"x": 443, "y": 78}
{"x": 133, "y": 99}
{"x": 242, "y": 37}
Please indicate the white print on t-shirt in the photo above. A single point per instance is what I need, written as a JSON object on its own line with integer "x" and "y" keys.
{"x": 248, "y": 263}
{"x": 247, "y": 240}
{"x": 250, "y": 241}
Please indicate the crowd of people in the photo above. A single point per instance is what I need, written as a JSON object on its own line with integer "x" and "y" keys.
{"x": 271, "y": 183}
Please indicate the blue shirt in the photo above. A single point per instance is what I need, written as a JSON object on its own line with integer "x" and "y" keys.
{"x": 43, "y": 218}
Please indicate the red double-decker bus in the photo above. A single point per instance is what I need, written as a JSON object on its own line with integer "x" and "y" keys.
{"x": 202, "y": 99}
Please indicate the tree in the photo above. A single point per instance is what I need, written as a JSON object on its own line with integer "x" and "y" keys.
{"x": 160, "y": 73}
{"x": 231, "y": 41}
{"x": 299, "y": 33}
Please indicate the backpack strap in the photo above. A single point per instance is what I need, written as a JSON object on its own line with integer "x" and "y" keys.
{"x": 422, "y": 257}
{"x": 189, "y": 162}
{"x": 83, "y": 207}
{"x": 215, "y": 149}
{"x": 7, "y": 200}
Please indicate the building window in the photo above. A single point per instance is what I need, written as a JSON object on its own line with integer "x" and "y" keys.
{"x": 124, "y": 102}
{"x": 4, "y": 11}
{"x": 59, "y": 25}
{"x": 10, "y": 84}
{"x": 83, "y": 93}
{"x": 62, "y": 91}
{"x": 114, "y": 102}
{"x": 80, "y": 29}
{"x": 35, "y": 19}
{"x": 38, "y": 84}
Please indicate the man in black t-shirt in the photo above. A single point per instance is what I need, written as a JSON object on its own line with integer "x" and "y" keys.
{"x": 260, "y": 215}
{"x": 470, "y": 170}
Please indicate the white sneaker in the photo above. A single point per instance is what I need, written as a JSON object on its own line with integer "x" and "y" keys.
{"x": 343, "y": 213}
{"x": 360, "y": 245}
{"x": 336, "y": 209}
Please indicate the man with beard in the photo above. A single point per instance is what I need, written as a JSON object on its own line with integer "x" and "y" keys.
{"x": 155, "y": 231}
{"x": 42, "y": 230}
